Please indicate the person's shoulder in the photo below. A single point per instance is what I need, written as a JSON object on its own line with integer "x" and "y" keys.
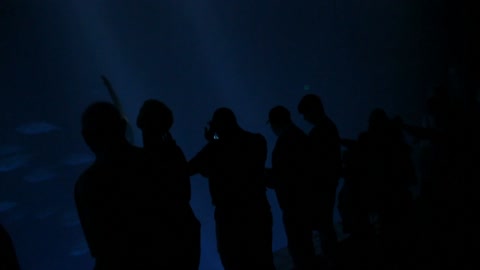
{"x": 138, "y": 154}
{"x": 299, "y": 133}
{"x": 179, "y": 151}
{"x": 316, "y": 131}
{"x": 258, "y": 138}
{"x": 331, "y": 125}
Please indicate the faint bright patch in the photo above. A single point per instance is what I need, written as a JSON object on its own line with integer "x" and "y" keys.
{"x": 76, "y": 159}
{"x": 6, "y": 206}
{"x": 13, "y": 162}
{"x": 40, "y": 175}
{"x": 36, "y": 128}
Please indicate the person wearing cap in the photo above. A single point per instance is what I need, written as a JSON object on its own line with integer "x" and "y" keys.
{"x": 291, "y": 182}
{"x": 233, "y": 160}
{"x": 170, "y": 169}
{"x": 326, "y": 167}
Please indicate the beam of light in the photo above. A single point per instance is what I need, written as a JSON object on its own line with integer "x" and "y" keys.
{"x": 221, "y": 60}
{"x": 110, "y": 56}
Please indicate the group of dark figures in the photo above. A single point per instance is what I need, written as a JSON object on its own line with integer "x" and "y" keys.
{"x": 134, "y": 203}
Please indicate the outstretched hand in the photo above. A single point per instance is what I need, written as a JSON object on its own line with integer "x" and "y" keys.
{"x": 106, "y": 82}
{"x": 111, "y": 91}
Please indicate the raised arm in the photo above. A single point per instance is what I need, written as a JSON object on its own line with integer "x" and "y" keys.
{"x": 116, "y": 102}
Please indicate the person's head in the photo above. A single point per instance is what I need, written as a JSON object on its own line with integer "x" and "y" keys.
{"x": 103, "y": 127}
{"x": 155, "y": 120}
{"x": 279, "y": 119}
{"x": 154, "y": 117}
{"x": 311, "y": 107}
{"x": 378, "y": 120}
{"x": 224, "y": 122}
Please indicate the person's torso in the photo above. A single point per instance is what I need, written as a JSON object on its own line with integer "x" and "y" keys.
{"x": 122, "y": 203}
{"x": 290, "y": 168}
{"x": 237, "y": 170}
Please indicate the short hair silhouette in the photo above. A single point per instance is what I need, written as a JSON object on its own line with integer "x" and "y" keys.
{"x": 279, "y": 115}
{"x": 378, "y": 119}
{"x": 102, "y": 126}
{"x": 103, "y": 118}
{"x": 155, "y": 116}
{"x": 224, "y": 118}
{"x": 311, "y": 103}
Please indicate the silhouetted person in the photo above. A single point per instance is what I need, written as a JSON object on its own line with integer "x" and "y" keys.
{"x": 8, "y": 256}
{"x": 443, "y": 129}
{"x": 234, "y": 162}
{"x": 171, "y": 170}
{"x": 444, "y": 184}
{"x": 292, "y": 185}
{"x": 326, "y": 165}
{"x": 117, "y": 201}
{"x": 378, "y": 175}
{"x": 354, "y": 216}
{"x": 391, "y": 172}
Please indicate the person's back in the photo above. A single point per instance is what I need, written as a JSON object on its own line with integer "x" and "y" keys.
{"x": 117, "y": 201}
{"x": 182, "y": 227}
{"x": 237, "y": 172}
{"x": 170, "y": 171}
{"x": 235, "y": 165}
{"x": 326, "y": 153}
{"x": 242, "y": 214}
{"x": 325, "y": 168}
{"x": 109, "y": 199}
{"x": 290, "y": 179}
{"x": 290, "y": 165}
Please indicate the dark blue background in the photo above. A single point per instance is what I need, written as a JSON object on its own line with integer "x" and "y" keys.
{"x": 195, "y": 55}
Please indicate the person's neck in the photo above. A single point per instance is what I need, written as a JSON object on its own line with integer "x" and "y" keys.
{"x": 231, "y": 133}
{"x": 154, "y": 141}
{"x": 319, "y": 120}
{"x": 284, "y": 129}
{"x": 112, "y": 150}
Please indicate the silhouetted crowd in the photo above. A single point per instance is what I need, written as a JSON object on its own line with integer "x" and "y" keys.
{"x": 134, "y": 203}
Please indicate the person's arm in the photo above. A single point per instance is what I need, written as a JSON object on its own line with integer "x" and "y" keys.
{"x": 116, "y": 101}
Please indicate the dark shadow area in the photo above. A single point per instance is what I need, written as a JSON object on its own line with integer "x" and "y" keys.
{"x": 369, "y": 157}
